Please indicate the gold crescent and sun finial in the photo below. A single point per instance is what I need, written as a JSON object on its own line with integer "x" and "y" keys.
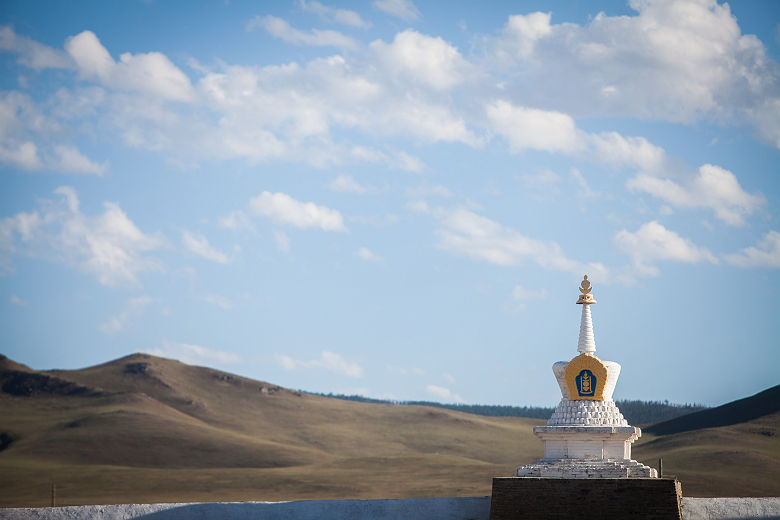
{"x": 585, "y": 289}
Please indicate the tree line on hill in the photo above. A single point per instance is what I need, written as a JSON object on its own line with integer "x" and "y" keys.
{"x": 635, "y": 412}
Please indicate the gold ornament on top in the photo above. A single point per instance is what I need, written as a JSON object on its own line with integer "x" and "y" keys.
{"x": 585, "y": 289}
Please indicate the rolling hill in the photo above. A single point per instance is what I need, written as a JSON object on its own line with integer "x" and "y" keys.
{"x": 731, "y": 450}
{"x": 148, "y": 429}
{"x": 143, "y": 428}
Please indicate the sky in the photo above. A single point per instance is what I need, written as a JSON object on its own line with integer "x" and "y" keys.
{"x": 395, "y": 198}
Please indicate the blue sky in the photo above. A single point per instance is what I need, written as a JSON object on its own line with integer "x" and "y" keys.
{"x": 395, "y": 199}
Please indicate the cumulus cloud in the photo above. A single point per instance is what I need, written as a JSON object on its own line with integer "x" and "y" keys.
{"x": 530, "y": 128}
{"x": 465, "y": 232}
{"x": 418, "y": 57}
{"x": 317, "y": 37}
{"x": 235, "y": 220}
{"x": 151, "y": 73}
{"x": 367, "y": 254}
{"x": 26, "y": 135}
{"x": 334, "y": 15}
{"x": 194, "y": 354}
{"x": 766, "y": 253}
{"x": 31, "y": 53}
{"x": 652, "y": 242}
{"x": 108, "y": 246}
{"x": 632, "y": 65}
{"x": 70, "y": 159}
{"x": 346, "y": 184}
{"x": 329, "y": 361}
{"x": 550, "y": 131}
{"x": 403, "y": 9}
{"x": 445, "y": 394}
{"x": 198, "y": 244}
{"x": 133, "y": 307}
{"x": 283, "y": 209}
{"x": 712, "y": 187}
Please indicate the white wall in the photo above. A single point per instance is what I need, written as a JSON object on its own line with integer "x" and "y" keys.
{"x": 477, "y": 508}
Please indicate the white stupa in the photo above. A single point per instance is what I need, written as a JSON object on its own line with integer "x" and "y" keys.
{"x": 587, "y": 436}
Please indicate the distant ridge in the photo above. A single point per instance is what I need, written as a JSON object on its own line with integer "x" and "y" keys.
{"x": 742, "y": 410}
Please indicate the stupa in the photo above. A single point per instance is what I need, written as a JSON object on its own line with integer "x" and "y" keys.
{"x": 587, "y": 436}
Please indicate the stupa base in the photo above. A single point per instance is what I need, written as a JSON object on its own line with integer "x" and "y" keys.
{"x": 557, "y": 498}
{"x": 584, "y": 468}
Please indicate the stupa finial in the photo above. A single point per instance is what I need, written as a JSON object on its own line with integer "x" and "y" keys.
{"x": 586, "y": 343}
{"x": 585, "y": 288}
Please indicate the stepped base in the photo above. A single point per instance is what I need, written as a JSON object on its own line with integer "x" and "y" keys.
{"x": 542, "y": 498}
{"x": 584, "y": 468}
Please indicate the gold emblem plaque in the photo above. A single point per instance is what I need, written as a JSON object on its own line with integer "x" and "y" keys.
{"x": 586, "y": 378}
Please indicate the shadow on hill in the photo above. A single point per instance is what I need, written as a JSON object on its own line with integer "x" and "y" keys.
{"x": 743, "y": 410}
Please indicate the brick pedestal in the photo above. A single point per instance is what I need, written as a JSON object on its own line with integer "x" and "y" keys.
{"x": 569, "y": 498}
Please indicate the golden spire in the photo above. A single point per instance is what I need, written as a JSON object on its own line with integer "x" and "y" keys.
{"x": 585, "y": 289}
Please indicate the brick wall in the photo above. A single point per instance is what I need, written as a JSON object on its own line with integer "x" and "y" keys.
{"x": 563, "y": 498}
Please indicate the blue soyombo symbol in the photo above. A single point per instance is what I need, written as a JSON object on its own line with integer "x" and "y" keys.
{"x": 586, "y": 383}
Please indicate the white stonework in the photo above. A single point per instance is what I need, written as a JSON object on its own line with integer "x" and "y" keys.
{"x": 587, "y": 438}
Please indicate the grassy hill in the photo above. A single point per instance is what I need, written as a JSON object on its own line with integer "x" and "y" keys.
{"x": 147, "y": 429}
{"x": 731, "y": 450}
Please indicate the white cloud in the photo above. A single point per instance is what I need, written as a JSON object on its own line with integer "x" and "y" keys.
{"x": 133, "y": 307}
{"x": 235, "y": 220}
{"x": 366, "y": 254}
{"x": 530, "y": 128}
{"x": 449, "y": 378}
{"x": 108, "y": 246}
{"x": 632, "y": 65}
{"x": 411, "y": 163}
{"x": 346, "y": 184}
{"x": 585, "y": 192}
{"x": 328, "y": 360}
{"x": 194, "y": 354}
{"x": 219, "y": 301}
{"x": 712, "y": 187}
{"x": 334, "y": 15}
{"x": 15, "y": 300}
{"x": 150, "y": 73}
{"x": 533, "y": 129}
{"x": 199, "y": 245}
{"x": 420, "y": 58}
{"x": 616, "y": 150}
{"x": 652, "y": 242}
{"x": 445, "y": 394}
{"x": 26, "y": 132}
{"x": 521, "y": 33}
{"x": 464, "y": 232}
{"x": 403, "y": 9}
{"x": 31, "y": 53}
{"x": 283, "y": 30}
{"x": 70, "y": 159}
{"x": 283, "y": 209}
{"x": 766, "y": 253}
{"x": 23, "y": 155}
